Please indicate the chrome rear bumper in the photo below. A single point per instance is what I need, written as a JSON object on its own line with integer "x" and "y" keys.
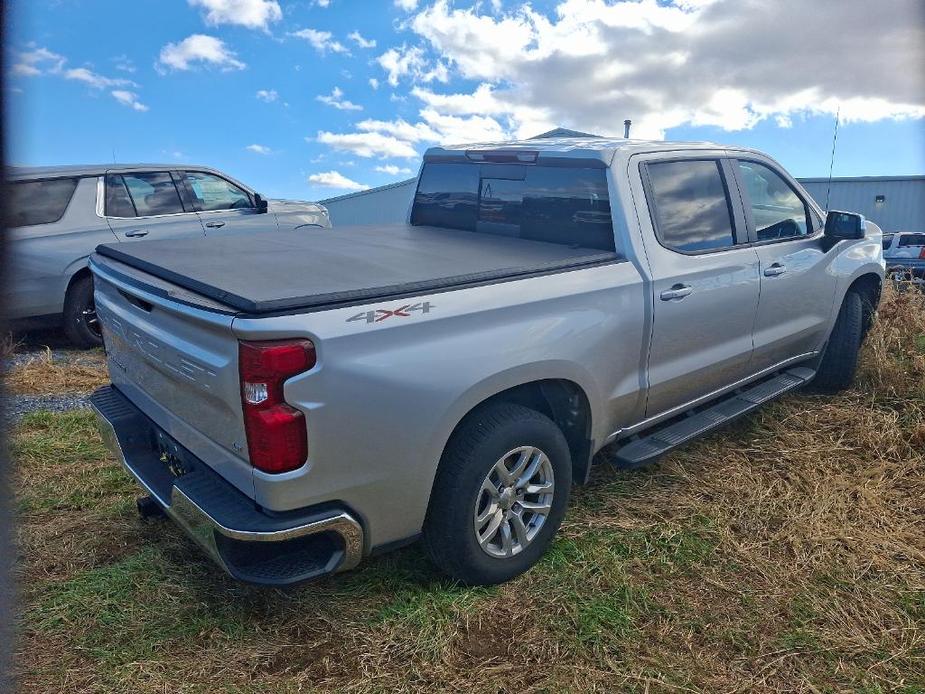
{"x": 250, "y": 544}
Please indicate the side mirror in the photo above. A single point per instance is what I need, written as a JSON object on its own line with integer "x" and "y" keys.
{"x": 840, "y": 226}
{"x": 260, "y": 203}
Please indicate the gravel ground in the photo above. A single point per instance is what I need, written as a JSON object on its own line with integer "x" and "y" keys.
{"x": 19, "y": 405}
{"x": 31, "y": 346}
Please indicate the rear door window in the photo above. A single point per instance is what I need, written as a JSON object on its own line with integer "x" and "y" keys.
{"x": 39, "y": 202}
{"x": 118, "y": 202}
{"x": 690, "y": 205}
{"x": 560, "y": 205}
{"x": 152, "y": 193}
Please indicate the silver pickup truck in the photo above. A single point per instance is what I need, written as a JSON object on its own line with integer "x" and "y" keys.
{"x": 298, "y": 402}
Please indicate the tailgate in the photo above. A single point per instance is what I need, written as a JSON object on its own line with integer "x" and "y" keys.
{"x": 177, "y": 362}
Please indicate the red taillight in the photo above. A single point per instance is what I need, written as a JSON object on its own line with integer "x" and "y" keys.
{"x": 922, "y": 253}
{"x": 276, "y": 435}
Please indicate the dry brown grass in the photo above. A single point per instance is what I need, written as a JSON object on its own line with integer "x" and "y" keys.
{"x": 784, "y": 554}
{"x": 47, "y": 375}
{"x": 8, "y": 346}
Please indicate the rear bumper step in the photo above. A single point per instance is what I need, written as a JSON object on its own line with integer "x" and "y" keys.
{"x": 648, "y": 449}
{"x": 250, "y": 544}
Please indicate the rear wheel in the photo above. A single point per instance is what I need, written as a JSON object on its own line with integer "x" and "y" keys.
{"x": 840, "y": 360}
{"x": 499, "y": 496}
{"x": 81, "y": 324}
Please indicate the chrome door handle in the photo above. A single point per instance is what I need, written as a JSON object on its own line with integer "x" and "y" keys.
{"x": 215, "y": 225}
{"x": 136, "y": 233}
{"x": 774, "y": 270}
{"x": 678, "y": 291}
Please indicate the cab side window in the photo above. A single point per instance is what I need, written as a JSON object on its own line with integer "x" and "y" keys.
{"x": 690, "y": 205}
{"x": 215, "y": 193}
{"x": 776, "y": 210}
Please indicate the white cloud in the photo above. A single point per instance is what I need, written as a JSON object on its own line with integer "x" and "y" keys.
{"x": 35, "y": 61}
{"x": 323, "y": 3}
{"x": 412, "y": 63}
{"x": 360, "y": 40}
{"x": 268, "y": 95}
{"x": 367, "y": 144}
{"x": 321, "y": 41}
{"x": 130, "y": 99}
{"x": 666, "y": 64}
{"x": 374, "y": 83}
{"x": 406, "y": 5}
{"x": 82, "y": 74}
{"x": 259, "y": 149}
{"x": 124, "y": 63}
{"x": 392, "y": 170}
{"x": 335, "y": 179}
{"x": 198, "y": 49}
{"x": 335, "y": 99}
{"x": 253, "y": 14}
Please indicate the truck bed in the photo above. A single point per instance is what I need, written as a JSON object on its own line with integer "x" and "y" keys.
{"x": 320, "y": 268}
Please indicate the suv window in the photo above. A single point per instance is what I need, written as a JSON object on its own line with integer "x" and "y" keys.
{"x": 906, "y": 240}
{"x": 118, "y": 202}
{"x": 690, "y": 206}
{"x": 152, "y": 193}
{"x": 215, "y": 193}
{"x": 777, "y": 211}
{"x": 542, "y": 203}
{"x": 39, "y": 202}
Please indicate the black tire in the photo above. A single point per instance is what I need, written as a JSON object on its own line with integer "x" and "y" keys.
{"x": 80, "y": 322}
{"x": 471, "y": 454}
{"x": 840, "y": 360}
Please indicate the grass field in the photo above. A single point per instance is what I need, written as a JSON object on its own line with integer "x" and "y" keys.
{"x": 785, "y": 553}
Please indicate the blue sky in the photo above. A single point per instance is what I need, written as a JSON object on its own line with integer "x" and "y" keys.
{"x": 312, "y": 98}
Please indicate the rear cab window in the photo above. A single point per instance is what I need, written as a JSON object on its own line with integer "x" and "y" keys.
{"x": 39, "y": 202}
{"x": 555, "y": 204}
{"x": 911, "y": 240}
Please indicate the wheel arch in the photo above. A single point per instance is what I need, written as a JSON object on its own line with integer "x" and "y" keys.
{"x": 869, "y": 287}
{"x": 564, "y": 401}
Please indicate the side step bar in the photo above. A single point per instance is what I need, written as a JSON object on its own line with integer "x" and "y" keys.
{"x": 649, "y": 448}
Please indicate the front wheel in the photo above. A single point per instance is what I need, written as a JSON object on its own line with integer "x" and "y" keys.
{"x": 840, "y": 360}
{"x": 81, "y": 324}
{"x": 500, "y": 495}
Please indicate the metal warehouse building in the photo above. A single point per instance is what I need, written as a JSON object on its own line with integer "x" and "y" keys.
{"x": 894, "y": 203}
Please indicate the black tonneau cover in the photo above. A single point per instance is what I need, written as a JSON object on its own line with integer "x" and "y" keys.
{"x": 321, "y": 268}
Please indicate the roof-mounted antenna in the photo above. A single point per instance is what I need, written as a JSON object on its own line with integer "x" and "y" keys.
{"x": 626, "y": 128}
{"x": 832, "y": 161}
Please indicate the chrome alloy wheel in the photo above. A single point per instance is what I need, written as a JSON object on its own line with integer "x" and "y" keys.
{"x": 513, "y": 502}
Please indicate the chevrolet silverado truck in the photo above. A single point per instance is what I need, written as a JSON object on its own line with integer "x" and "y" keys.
{"x": 297, "y": 402}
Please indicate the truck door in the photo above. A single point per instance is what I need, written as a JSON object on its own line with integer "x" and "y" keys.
{"x": 797, "y": 290}
{"x": 223, "y": 207}
{"x": 705, "y": 283}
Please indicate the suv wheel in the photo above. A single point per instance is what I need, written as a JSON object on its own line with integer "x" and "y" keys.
{"x": 836, "y": 370}
{"x": 81, "y": 324}
{"x": 500, "y": 494}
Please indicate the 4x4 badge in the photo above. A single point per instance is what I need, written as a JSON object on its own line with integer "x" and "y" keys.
{"x": 380, "y": 314}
